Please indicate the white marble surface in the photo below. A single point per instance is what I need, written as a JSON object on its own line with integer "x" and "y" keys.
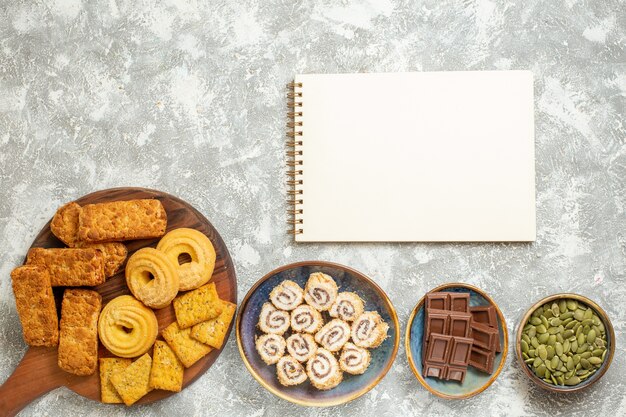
{"x": 188, "y": 97}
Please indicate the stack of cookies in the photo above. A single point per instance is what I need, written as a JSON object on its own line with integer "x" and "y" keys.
{"x": 315, "y": 326}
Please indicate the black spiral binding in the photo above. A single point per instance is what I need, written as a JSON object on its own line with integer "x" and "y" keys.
{"x": 294, "y": 158}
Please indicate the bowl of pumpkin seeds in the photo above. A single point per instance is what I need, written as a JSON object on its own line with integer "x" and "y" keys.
{"x": 565, "y": 342}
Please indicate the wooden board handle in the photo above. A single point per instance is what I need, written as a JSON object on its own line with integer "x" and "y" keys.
{"x": 33, "y": 377}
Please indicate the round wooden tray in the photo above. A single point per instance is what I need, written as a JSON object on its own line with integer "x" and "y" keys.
{"x": 38, "y": 372}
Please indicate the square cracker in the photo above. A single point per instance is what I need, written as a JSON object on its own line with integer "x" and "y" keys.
{"x": 167, "y": 371}
{"x": 70, "y": 267}
{"x": 188, "y": 350}
{"x": 196, "y": 306}
{"x": 212, "y": 332}
{"x": 78, "y": 338}
{"x": 134, "y": 381}
{"x": 108, "y": 368}
{"x": 122, "y": 220}
{"x": 35, "y": 305}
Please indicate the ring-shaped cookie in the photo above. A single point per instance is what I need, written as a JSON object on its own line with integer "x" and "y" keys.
{"x": 198, "y": 272}
{"x": 152, "y": 277}
{"x": 126, "y": 327}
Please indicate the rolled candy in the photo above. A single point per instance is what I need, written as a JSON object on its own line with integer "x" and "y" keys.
{"x": 320, "y": 291}
{"x": 290, "y": 371}
{"x": 271, "y": 347}
{"x": 323, "y": 370}
{"x": 369, "y": 330}
{"x": 305, "y": 318}
{"x": 348, "y": 306}
{"x": 287, "y": 296}
{"x": 272, "y": 320}
{"x": 354, "y": 360}
{"x": 301, "y": 346}
{"x": 333, "y": 335}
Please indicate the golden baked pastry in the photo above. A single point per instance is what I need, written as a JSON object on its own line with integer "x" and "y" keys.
{"x": 78, "y": 337}
{"x": 127, "y": 328}
{"x": 64, "y": 224}
{"x": 181, "y": 241}
{"x": 152, "y": 277}
{"x": 70, "y": 267}
{"x": 113, "y": 254}
{"x": 122, "y": 220}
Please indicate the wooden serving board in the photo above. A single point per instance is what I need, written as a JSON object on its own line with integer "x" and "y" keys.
{"x": 38, "y": 372}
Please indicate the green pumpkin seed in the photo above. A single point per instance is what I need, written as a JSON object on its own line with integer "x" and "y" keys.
{"x": 555, "y": 321}
{"x": 526, "y": 338}
{"x": 597, "y": 352}
{"x": 581, "y": 339}
{"x": 532, "y": 353}
{"x": 552, "y": 340}
{"x": 585, "y": 363}
{"x": 550, "y": 350}
{"x": 568, "y": 333}
{"x": 570, "y": 364}
{"x": 541, "y": 329}
{"x": 596, "y": 320}
{"x": 554, "y": 379}
{"x": 543, "y": 338}
{"x": 535, "y": 321}
{"x": 587, "y": 322}
{"x": 544, "y": 321}
{"x": 576, "y": 358}
{"x": 604, "y": 354}
{"x": 530, "y": 360}
{"x": 595, "y": 360}
{"x": 559, "y": 338}
{"x": 572, "y": 381}
{"x": 588, "y": 314}
{"x": 532, "y": 332}
{"x": 579, "y": 314}
{"x": 558, "y": 348}
{"x": 572, "y": 305}
{"x": 554, "y": 363}
{"x": 534, "y": 342}
{"x": 538, "y": 362}
{"x": 566, "y": 316}
{"x": 555, "y": 309}
{"x": 574, "y": 346}
{"x": 566, "y": 346}
{"x": 524, "y": 346}
{"x": 586, "y": 329}
{"x": 585, "y": 355}
{"x": 553, "y": 330}
{"x": 541, "y": 371}
{"x": 562, "y": 306}
{"x": 542, "y": 352}
{"x": 591, "y": 336}
{"x": 548, "y": 313}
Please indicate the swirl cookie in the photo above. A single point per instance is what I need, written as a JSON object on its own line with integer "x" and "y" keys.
{"x": 272, "y": 320}
{"x": 152, "y": 277}
{"x": 348, "y": 306}
{"x": 320, "y": 291}
{"x": 271, "y": 347}
{"x": 126, "y": 327}
{"x": 290, "y": 371}
{"x": 305, "y": 318}
{"x": 369, "y": 330}
{"x": 354, "y": 360}
{"x": 194, "y": 243}
{"x": 287, "y": 296}
{"x": 323, "y": 370}
{"x": 301, "y": 346}
{"x": 333, "y": 335}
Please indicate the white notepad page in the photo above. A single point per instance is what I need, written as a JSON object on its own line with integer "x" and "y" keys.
{"x": 431, "y": 156}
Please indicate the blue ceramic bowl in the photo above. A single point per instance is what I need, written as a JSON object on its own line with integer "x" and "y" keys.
{"x": 475, "y": 381}
{"x": 352, "y": 386}
{"x": 610, "y": 338}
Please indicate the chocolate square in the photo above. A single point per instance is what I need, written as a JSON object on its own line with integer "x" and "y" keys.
{"x": 482, "y": 359}
{"x": 460, "y": 301}
{"x": 484, "y": 336}
{"x": 485, "y": 315}
{"x": 433, "y": 370}
{"x": 438, "y": 301}
{"x": 456, "y": 373}
{"x": 460, "y": 324}
{"x": 437, "y": 321}
{"x": 439, "y": 347}
{"x": 460, "y": 352}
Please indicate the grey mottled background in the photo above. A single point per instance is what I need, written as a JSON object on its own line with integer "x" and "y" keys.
{"x": 188, "y": 97}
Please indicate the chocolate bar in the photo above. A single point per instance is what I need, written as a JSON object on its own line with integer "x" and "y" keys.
{"x": 460, "y": 352}
{"x": 485, "y": 315}
{"x": 459, "y": 301}
{"x": 482, "y": 359}
{"x": 484, "y": 336}
{"x": 438, "y": 301}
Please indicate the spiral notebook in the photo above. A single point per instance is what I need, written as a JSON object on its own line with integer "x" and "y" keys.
{"x": 431, "y": 156}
